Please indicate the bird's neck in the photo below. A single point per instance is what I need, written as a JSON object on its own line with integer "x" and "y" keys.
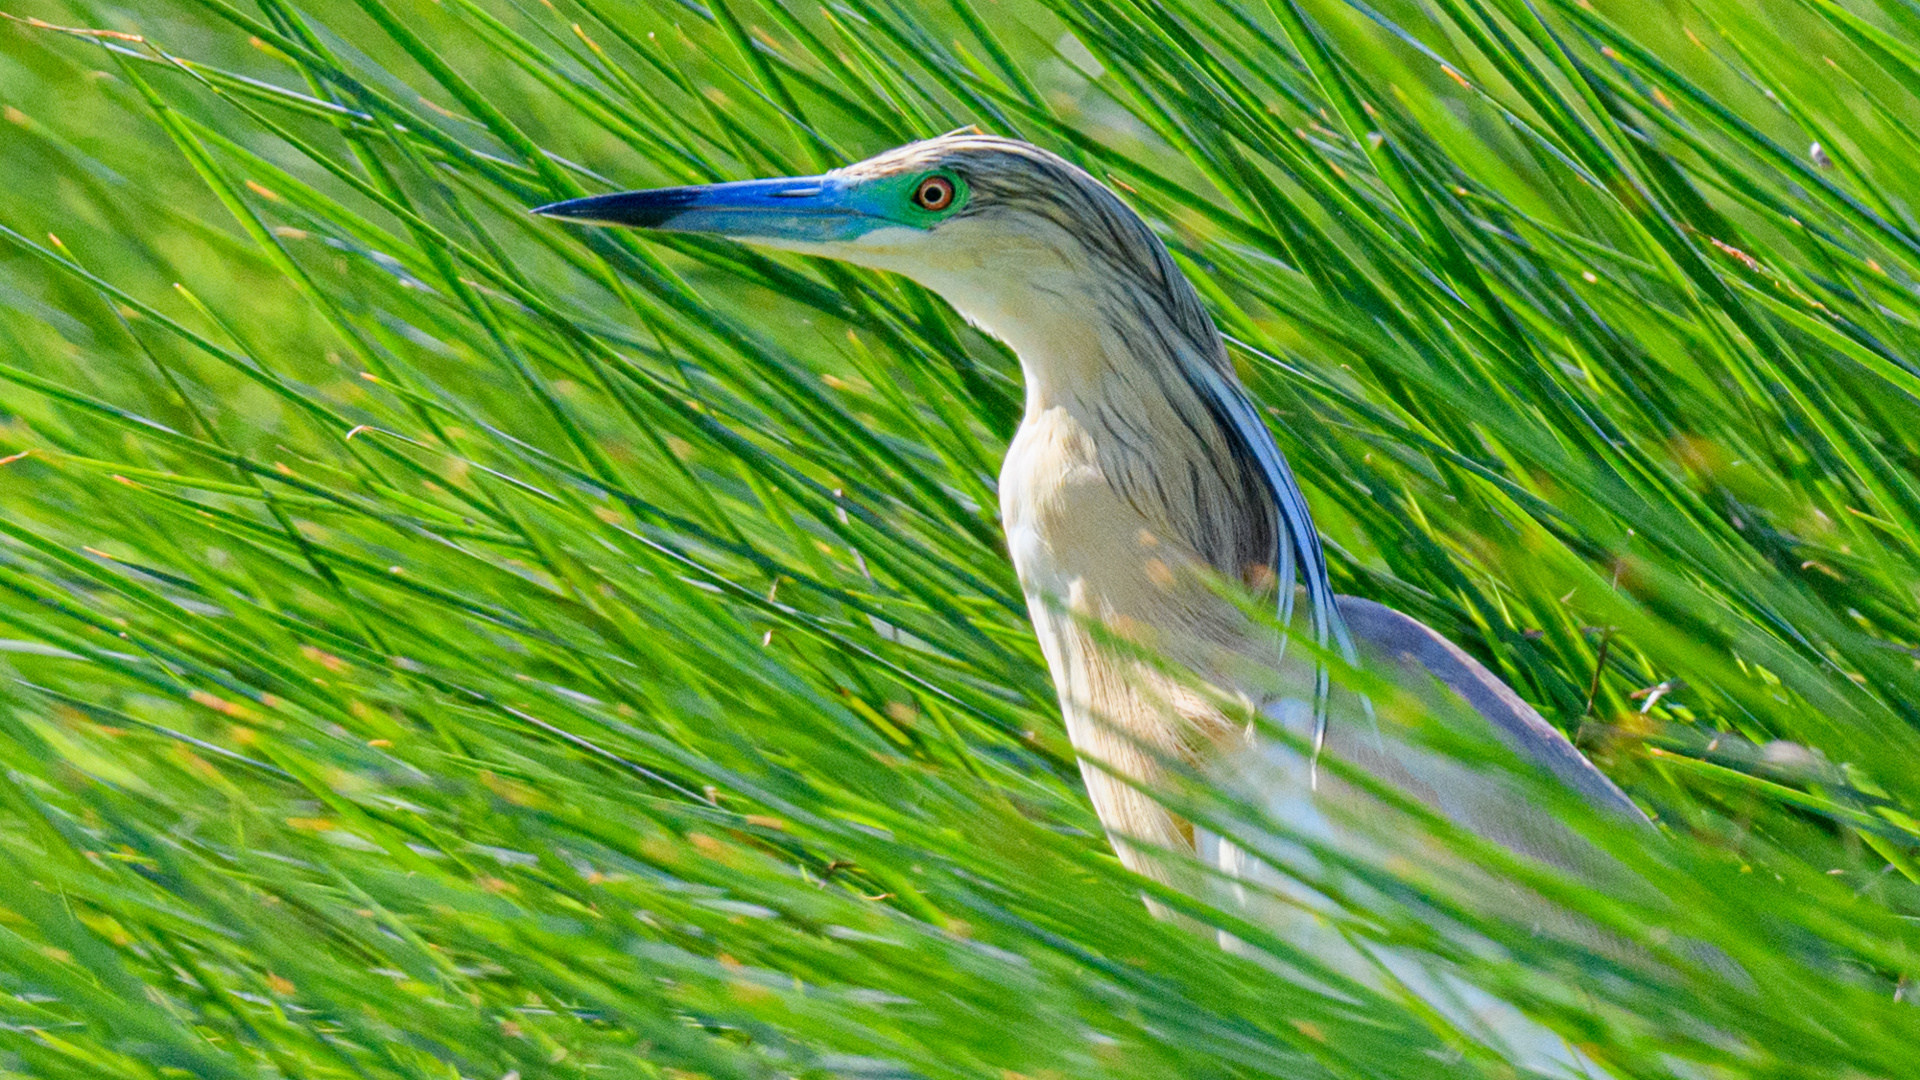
{"x": 1064, "y": 343}
{"x": 1121, "y": 494}
{"x": 1122, "y": 497}
{"x": 1116, "y": 427}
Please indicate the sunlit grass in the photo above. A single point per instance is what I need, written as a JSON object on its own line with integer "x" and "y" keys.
{"x": 442, "y": 643}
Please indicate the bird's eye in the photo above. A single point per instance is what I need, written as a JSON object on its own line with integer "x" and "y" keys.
{"x": 934, "y": 193}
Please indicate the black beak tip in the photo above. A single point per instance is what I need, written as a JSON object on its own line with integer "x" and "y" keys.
{"x": 587, "y": 211}
{"x": 635, "y": 209}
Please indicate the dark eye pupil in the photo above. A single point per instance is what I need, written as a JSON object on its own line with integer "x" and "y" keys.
{"x": 934, "y": 194}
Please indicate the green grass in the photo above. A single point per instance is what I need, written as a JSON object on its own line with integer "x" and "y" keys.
{"x": 439, "y": 643}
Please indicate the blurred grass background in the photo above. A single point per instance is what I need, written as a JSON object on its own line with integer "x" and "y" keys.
{"x": 439, "y": 643}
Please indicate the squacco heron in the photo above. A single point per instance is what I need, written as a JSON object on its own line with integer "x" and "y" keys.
{"x": 1141, "y": 475}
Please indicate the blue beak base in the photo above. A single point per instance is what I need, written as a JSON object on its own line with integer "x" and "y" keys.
{"x": 811, "y": 209}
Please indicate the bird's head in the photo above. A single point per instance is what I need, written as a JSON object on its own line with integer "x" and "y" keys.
{"x": 994, "y": 225}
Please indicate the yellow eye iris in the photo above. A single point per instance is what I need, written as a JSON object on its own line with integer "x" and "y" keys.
{"x": 934, "y": 193}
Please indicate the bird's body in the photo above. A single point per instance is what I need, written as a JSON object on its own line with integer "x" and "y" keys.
{"x": 1140, "y": 483}
{"x": 1108, "y": 542}
{"x": 1095, "y": 568}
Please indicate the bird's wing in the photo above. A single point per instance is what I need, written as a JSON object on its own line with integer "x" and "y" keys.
{"x": 1270, "y": 875}
{"x": 1281, "y": 779}
{"x": 1278, "y": 776}
{"x": 1412, "y": 645}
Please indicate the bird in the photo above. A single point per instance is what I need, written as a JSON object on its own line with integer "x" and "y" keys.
{"x": 1140, "y": 488}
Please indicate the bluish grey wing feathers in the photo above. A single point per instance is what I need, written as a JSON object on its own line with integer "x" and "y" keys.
{"x": 1298, "y": 541}
{"x": 1284, "y": 860}
{"x": 1406, "y": 640}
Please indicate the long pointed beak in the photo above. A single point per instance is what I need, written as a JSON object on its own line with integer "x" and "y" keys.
{"x": 808, "y": 209}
